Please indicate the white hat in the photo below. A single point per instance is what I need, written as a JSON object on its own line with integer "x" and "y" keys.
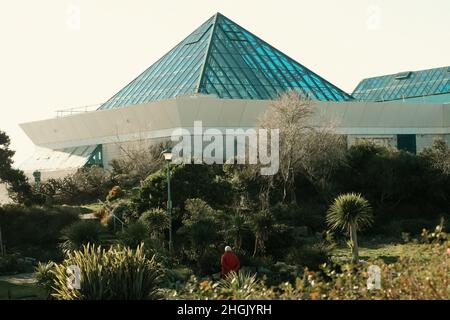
{"x": 227, "y": 248}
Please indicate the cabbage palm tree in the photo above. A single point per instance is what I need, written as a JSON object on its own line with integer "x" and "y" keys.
{"x": 235, "y": 228}
{"x": 262, "y": 224}
{"x": 350, "y": 213}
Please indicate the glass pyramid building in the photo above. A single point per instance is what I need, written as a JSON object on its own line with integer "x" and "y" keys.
{"x": 432, "y": 85}
{"x": 223, "y": 59}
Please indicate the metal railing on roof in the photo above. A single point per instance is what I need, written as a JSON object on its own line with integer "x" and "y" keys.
{"x": 76, "y": 110}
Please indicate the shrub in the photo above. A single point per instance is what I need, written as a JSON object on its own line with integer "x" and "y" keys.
{"x": 157, "y": 221}
{"x": 410, "y": 278}
{"x": 283, "y": 272}
{"x": 45, "y": 276}
{"x": 34, "y": 226}
{"x": 115, "y": 274}
{"x": 134, "y": 234}
{"x": 240, "y": 286}
{"x": 236, "y": 286}
{"x": 439, "y": 235}
{"x": 310, "y": 256}
{"x": 115, "y": 193}
{"x": 82, "y": 232}
{"x": 14, "y": 263}
{"x": 200, "y": 228}
{"x": 209, "y": 261}
{"x": 200, "y": 181}
{"x": 396, "y": 227}
{"x": 124, "y": 210}
{"x": 84, "y": 186}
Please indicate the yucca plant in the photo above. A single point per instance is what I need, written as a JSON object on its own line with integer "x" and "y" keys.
{"x": 239, "y": 286}
{"x": 116, "y": 273}
{"x": 80, "y": 233}
{"x": 45, "y": 276}
{"x": 350, "y": 213}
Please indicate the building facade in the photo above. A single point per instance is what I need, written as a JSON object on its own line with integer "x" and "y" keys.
{"x": 226, "y": 77}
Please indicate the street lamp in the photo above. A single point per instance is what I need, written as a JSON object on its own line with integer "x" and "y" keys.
{"x": 167, "y": 154}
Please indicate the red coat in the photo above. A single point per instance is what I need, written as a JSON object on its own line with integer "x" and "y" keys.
{"x": 230, "y": 262}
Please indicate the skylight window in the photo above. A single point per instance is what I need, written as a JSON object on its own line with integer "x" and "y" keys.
{"x": 403, "y": 75}
{"x": 236, "y": 35}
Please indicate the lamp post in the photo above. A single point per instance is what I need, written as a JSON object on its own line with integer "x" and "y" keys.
{"x": 167, "y": 154}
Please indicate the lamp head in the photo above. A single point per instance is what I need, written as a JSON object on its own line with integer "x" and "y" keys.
{"x": 167, "y": 154}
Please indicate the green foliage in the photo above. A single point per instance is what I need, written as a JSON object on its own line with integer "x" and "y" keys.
{"x": 188, "y": 181}
{"x": 45, "y": 276}
{"x": 14, "y": 263}
{"x": 283, "y": 272}
{"x": 208, "y": 261}
{"x": 349, "y": 210}
{"x": 200, "y": 227}
{"x": 34, "y": 226}
{"x": 234, "y": 229}
{"x": 310, "y": 256}
{"x": 86, "y": 185}
{"x": 157, "y": 221}
{"x": 134, "y": 234}
{"x": 240, "y": 285}
{"x": 438, "y": 235}
{"x": 396, "y": 227}
{"x": 118, "y": 273}
{"x": 390, "y": 177}
{"x": 17, "y": 183}
{"x": 236, "y": 286}
{"x": 411, "y": 278}
{"x": 124, "y": 210}
{"x": 262, "y": 225}
{"x": 82, "y": 232}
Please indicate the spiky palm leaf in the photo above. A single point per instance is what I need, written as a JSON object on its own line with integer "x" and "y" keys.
{"x": 349, "y": 210}
{"x": 240, "y": 285}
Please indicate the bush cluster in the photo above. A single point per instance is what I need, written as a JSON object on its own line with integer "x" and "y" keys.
{"x": 34, "y": 226}
{"x": 118, "y": 273}
{"x": 411, "y": 278}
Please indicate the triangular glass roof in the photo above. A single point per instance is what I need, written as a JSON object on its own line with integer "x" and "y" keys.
{"x": 404, "y": 85}
{"x": 224, "y": 59}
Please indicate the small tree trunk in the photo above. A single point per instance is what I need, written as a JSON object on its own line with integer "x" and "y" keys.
{"x": 255, "y": 249}
{"x": 283, "y": 199}
{"x": 354, "y": 241}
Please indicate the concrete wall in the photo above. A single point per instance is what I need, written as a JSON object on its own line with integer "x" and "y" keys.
{"x": 159, "y": 119}
{"x": 147, "y": 123}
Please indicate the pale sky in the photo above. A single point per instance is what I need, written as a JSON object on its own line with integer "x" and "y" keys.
{"x": 50, "y": 59}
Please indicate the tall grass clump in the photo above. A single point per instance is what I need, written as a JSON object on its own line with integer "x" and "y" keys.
{"x": 119, "y": 273}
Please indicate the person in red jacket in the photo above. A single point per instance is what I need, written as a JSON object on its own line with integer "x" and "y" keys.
{"x": 229, "y": 261}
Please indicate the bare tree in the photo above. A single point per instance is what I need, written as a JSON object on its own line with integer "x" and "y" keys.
{"x": 439, "y": 155}
{"x": 138, "y": 160}
{"x": 306, "y": 147}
